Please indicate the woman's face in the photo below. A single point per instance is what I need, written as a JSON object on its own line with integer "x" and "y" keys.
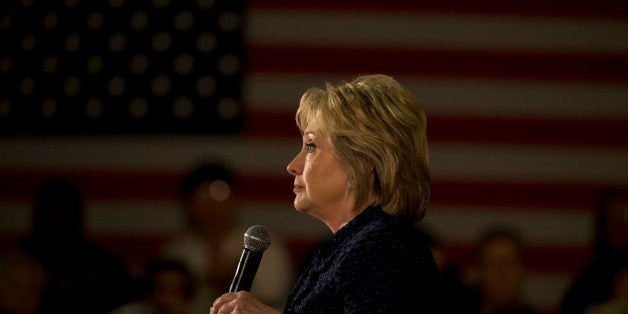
{"x": 320, "y": 183}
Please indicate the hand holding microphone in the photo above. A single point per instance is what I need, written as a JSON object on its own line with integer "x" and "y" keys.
{"x": 256, "y": 241}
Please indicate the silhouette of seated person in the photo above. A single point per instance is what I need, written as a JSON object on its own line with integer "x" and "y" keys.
{"x": 455, "y": 296}
{"x": 618, "y": 302}
{"x": 22, "y": 280}
{"x": 595, "y": 284}
{"x": 167, "y": 287}
{"x": 211, "y": 245}
{"x": 82, "y": 277}
{"x": 500, "y": 273}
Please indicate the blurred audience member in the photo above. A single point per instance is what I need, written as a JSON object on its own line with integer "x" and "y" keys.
{"x": 500, "y": 273}
{"x": 82, "y": 277}
{"x": 596, "y": 282}
{"x": 212, "y": 244}
{"x": 457, "y": 296}
{"x": 167, "y": 289}
{"x": 22, "y": 281}
{"x": 618, "y": 303}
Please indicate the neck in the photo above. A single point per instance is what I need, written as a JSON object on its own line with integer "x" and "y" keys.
{"x": 340, "y": 221}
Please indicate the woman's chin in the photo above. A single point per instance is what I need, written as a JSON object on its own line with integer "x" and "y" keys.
{"x": 300, "y": 206}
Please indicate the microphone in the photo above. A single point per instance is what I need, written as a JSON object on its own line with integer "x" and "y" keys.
{"x": 256, "y": 241}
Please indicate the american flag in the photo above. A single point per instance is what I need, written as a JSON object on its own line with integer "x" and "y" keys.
{"x": 527, "y": 105}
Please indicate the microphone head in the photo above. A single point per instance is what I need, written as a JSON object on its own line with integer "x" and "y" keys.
{"x": 257, "y": 239}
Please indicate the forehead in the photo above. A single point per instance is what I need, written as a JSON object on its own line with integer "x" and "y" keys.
{"x": 309, "y": 114}
{"x": 312, "y": 127}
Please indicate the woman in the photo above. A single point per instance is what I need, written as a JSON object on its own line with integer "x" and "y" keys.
{"x": 363, "y": 171}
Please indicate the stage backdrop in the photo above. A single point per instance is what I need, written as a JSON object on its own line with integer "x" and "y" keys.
{"x": 527, "y": 105}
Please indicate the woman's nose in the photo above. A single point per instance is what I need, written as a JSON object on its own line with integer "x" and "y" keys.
{"x": 296, "y": 165}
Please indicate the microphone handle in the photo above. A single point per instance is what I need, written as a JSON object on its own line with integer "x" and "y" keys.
{"x": 245, "y": 273}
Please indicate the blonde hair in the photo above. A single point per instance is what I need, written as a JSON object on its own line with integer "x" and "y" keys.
{"x": 376, "y": 127}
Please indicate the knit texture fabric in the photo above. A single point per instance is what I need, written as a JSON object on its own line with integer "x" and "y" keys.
{"x": 375, "y": 264}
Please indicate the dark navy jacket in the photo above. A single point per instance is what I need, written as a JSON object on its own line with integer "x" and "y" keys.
{"x": 375, "y": 264}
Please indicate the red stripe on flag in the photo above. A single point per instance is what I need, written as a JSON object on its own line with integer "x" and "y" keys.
{"x": 19, "y": 185}
{"x": 480, "y": 130}
{"x": 136, "y": 250}
{"x": 578, "y": 67}
{"x": 512, "y": 195}
{"x": 538, "y": 258}
{"x": 566, "y": 8}
{"x": 542, "y": 131}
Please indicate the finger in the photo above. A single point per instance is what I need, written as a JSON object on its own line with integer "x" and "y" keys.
{"x": 228, "y": 307}
{"x": 221, "y": 301}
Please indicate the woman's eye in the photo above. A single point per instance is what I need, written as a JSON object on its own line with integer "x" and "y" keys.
{"x": 310, "y": 147}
